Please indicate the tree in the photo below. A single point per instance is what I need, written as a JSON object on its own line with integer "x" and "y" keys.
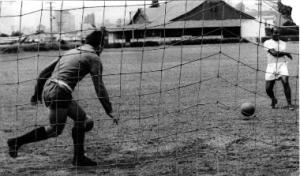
{"x": 40, "y": 32}
{"x": 286, "y": 12}
{"x": 3, "y": 35}
{"x": 241, "y": 6}
{"x": 40, "y": 29}
{"x": 16, "y": 34}
{"x": 119, "y": 22}
{"x": 154, "y": 4}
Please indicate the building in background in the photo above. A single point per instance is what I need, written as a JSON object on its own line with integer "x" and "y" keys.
{"x": 195, "y": 19}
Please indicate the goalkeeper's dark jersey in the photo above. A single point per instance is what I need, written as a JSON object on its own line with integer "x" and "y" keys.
{"x": 75, "y": 64}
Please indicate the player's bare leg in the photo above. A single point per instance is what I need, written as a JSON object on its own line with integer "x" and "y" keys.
{"x": 57, "y": 122}
{"x": 269, "y": 90}
{"x": 78, "y": 132}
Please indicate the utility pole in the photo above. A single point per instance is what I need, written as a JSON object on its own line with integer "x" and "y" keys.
{"x": 0, "y": 7}
{"x": 51, "y": 30}
{"x": 131, "y": 20}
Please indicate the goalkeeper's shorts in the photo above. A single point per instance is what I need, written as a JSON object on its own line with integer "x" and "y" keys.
{"x": 57, "y": 95}
{"x": 276, "y": 70}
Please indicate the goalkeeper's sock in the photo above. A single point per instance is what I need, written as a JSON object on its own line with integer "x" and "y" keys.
{"x": 78, "y": 140}
{"x": 274, "y": 102}
{"x": 35, "y": 135}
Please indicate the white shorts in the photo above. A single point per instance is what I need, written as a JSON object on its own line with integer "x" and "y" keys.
{"x": 276, "y": 70}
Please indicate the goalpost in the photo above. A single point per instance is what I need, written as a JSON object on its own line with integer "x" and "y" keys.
{"x": 177, "y": 86}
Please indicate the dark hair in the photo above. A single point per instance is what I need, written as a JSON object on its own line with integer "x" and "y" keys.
{"x": 95, "y": 38}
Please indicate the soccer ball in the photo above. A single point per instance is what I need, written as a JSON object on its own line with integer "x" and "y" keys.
{"x": 247, "y": 109}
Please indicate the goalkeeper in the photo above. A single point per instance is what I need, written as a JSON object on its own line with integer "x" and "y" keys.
{"x": 56, "y": 82}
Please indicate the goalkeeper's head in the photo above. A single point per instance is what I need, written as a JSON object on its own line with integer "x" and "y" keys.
{"x": 96, "y": 38}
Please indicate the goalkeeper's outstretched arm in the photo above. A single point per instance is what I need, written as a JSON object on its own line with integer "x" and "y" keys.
{"x": 96, "y": 73}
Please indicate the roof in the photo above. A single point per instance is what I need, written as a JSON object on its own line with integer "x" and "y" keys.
{"x": 213, "y": 10}
{"x": 163, "y": 16}
{"x": 168, "y": 11}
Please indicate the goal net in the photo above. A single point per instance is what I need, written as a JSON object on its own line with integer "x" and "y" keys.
{"x": 177, "y": 73}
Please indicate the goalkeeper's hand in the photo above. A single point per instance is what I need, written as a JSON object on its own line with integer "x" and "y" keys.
{"x": 114, "y": 117}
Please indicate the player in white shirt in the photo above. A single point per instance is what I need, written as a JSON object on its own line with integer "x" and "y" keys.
{"x": 277, "y": 68}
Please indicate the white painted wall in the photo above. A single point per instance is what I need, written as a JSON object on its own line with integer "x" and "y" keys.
{"x": 252, "y": 29}
{"x": 112, "y": 38}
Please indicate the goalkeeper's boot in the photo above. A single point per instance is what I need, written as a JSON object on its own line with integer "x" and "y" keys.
{"x": 83, "y": 161}
{"x": 35, "y": 135}
{"x": 12, "y": 147}
{"x": 78, "y": 140}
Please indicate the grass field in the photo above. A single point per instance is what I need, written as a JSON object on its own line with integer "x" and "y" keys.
{"x": 184, "y": 120}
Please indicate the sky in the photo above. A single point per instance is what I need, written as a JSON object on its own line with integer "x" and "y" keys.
{"x": 113, "y": 11}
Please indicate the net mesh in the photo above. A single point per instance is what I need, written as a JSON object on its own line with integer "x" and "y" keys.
{"x": 179, "y": 103}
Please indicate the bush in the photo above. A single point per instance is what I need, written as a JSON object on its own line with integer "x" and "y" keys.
{"x": 206, "y": 41}
{"x": 35, "y": 47}
{"x": 151, "y": 43}
{"x": 141, "y": 44}
{"x": 38, "y": 47}
{"x": 283, "y": 38}
{"x": 71, "y": 45}
{"x": 3, "y": 35}
{"x": 136, "y": 44}
{"x": 63, "y": 45}
{"x": 114, "y": 45}
{"x": 16, "y": 34}
{"x": 10, "y": 49}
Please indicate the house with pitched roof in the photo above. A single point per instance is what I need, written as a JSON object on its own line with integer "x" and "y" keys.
{"x": 192, "y": 19}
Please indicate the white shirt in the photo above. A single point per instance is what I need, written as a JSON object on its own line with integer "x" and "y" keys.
{"x": 277, "y": 46}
